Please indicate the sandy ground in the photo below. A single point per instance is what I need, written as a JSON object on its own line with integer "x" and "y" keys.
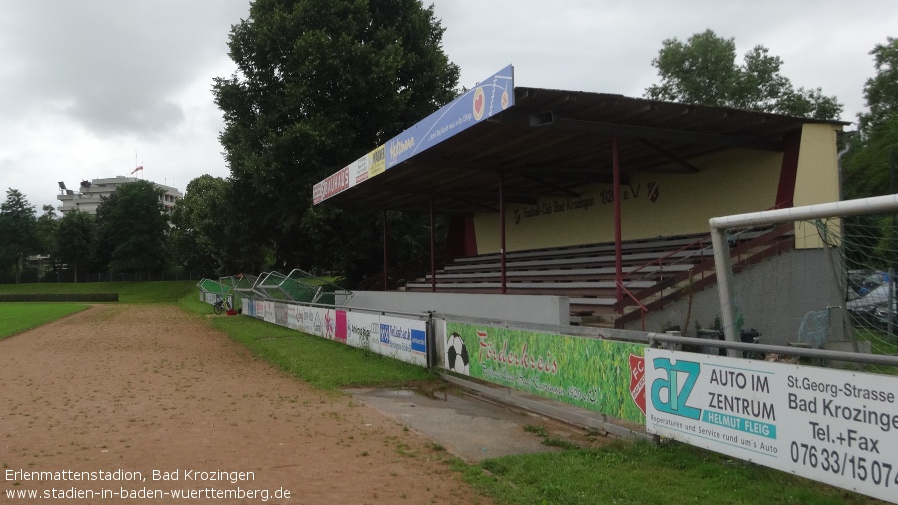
{"x": 154, "y": 391}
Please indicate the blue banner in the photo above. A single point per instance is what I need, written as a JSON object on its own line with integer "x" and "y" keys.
{"x": 492, "y": 96}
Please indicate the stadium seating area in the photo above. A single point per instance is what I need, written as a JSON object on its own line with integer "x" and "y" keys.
{"x": 654, "y": 272}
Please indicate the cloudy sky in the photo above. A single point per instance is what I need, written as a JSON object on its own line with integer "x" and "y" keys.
{"x": 92, "y": 88}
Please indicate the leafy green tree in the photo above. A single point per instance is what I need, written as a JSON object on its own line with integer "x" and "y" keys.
{"x": 703, "y": 70}
{"x": 867, "y": 167}
{"x": 881, "y": 90}
{"x": 75, "y": 240}
{"x": 320, "y": 83}
{"x": 870, "y": 167}
{"x": 200, "y": 225}
{"x": 131, "y": 229}
{"x": 18, "y": 227}
{"x": 46, "y": 229}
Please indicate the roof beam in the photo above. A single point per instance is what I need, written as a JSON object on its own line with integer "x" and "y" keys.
{"x": 690, "y": 168}
{"x": 550, "y": 120}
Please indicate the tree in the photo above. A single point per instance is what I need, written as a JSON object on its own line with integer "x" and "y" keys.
{"x": 200, "y": 221}
{"x": 870, "y": 167}
{"x": 18, "y": 227}
{"x": 704, "y": 71}
{"x": 320, "y": 83}
{"x": 881, "y": 90}
{"x": 867, "y": 167}
{"x": 131, "y": 229}
{"x": 46, "y": 229}
{"x": 75, "y": 240}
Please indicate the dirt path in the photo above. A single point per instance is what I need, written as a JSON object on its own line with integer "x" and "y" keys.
{"x": 151, "y": 388}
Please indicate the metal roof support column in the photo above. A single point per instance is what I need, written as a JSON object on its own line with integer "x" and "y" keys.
{"x": 618, "y": 248}
{"x": 385, "y": 249}
{"x": 502, "y": 231}
{"x": 433, "y": 252}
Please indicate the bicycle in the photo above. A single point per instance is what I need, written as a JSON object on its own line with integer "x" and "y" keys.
{"x": 222, "y": 304}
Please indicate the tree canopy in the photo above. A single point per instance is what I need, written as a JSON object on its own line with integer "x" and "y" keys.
{"x": 703, "y": 70}
{"x": 18, "y": 227}
{"x": 131, "y": 229}
{"x": 75, "y": 240}
{"x": 201, "y": 221}
{"x": 881, "y": 90}
{"x": 319, "y": 83}
{"x": 868, "y": 166}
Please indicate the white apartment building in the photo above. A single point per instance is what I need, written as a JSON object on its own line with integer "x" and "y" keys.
{"x": 88, "y": 197}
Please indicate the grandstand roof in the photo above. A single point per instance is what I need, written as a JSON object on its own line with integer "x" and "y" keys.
{"x": 551, "y": 142}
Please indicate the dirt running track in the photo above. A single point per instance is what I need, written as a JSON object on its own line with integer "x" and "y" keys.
{"x": 144, "y": 388}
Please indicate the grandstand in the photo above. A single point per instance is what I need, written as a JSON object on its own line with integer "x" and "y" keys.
{"x": 601, "y": 198}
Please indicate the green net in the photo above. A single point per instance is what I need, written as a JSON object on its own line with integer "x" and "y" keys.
{"x": 269, "y": 285}
{"x": 211, "y": 286}
{"x": 322, "y": 290}
{"x": 298, "y": 286}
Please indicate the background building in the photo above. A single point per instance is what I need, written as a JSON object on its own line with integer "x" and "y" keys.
{"x": 88, "y": 197}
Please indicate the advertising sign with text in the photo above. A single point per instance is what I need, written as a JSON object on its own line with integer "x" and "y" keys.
{"x": 329, "y": 187}
{"x": 598, "y": 375}
{"x": 833, "y": 426}
{"x": 292, "y": 320}
{"x": 269, "y": 312}
{"x": 362, "y": 330}
{"x": 280, "y": 313}
{"x": 376, "y": 161}
{"x": 403, "y": 339}
{"x": 309, "y": 320}
{"x": 492, "y": 96}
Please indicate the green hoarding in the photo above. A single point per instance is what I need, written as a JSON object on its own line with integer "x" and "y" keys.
{"x": 599, "y": 375}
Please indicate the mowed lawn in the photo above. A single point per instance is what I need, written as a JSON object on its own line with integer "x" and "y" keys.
{"x": 128, "y": 292}
{"x": 19, "y": 317}
{"x": 16, "y": 317}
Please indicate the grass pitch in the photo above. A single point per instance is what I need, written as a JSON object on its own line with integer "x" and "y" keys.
{"x": 129, "y": 292}
{"x": 19, "y": 317}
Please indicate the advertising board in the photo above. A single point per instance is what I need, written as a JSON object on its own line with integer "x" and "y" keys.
{"x": 598, "y": 375}
{"x": 362, "y": 330}
{"x": 280, "y": 313}
{"x": 402, "y": 339}
{"x": 833, "y": 426}
{"x": 490, "y": 97}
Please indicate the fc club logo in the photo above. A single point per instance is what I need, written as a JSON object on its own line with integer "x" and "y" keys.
{"x": 637, "y": 381}
{"x": 479, "y": 103}
{"x": 653, "y": 192}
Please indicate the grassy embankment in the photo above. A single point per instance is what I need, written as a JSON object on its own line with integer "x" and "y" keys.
{"x": 621, "y": 473}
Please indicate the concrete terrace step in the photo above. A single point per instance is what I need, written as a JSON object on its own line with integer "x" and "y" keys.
{"x": 534, "y": 285}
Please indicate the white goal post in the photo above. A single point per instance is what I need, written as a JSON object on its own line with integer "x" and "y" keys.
{"x": 723, "y": 264}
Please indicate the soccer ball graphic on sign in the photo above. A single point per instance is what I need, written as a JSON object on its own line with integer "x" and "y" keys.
{"x": 457, "y": 354}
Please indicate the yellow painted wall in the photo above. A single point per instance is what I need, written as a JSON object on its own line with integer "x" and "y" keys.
{"x": 729, "y": 182}
{"x": 817, "y": 180}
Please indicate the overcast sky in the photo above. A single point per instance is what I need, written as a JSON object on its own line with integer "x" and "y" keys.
{"x": 92, "y": 88}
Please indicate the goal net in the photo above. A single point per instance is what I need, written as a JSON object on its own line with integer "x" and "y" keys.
{"x": 821, "y": 276}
